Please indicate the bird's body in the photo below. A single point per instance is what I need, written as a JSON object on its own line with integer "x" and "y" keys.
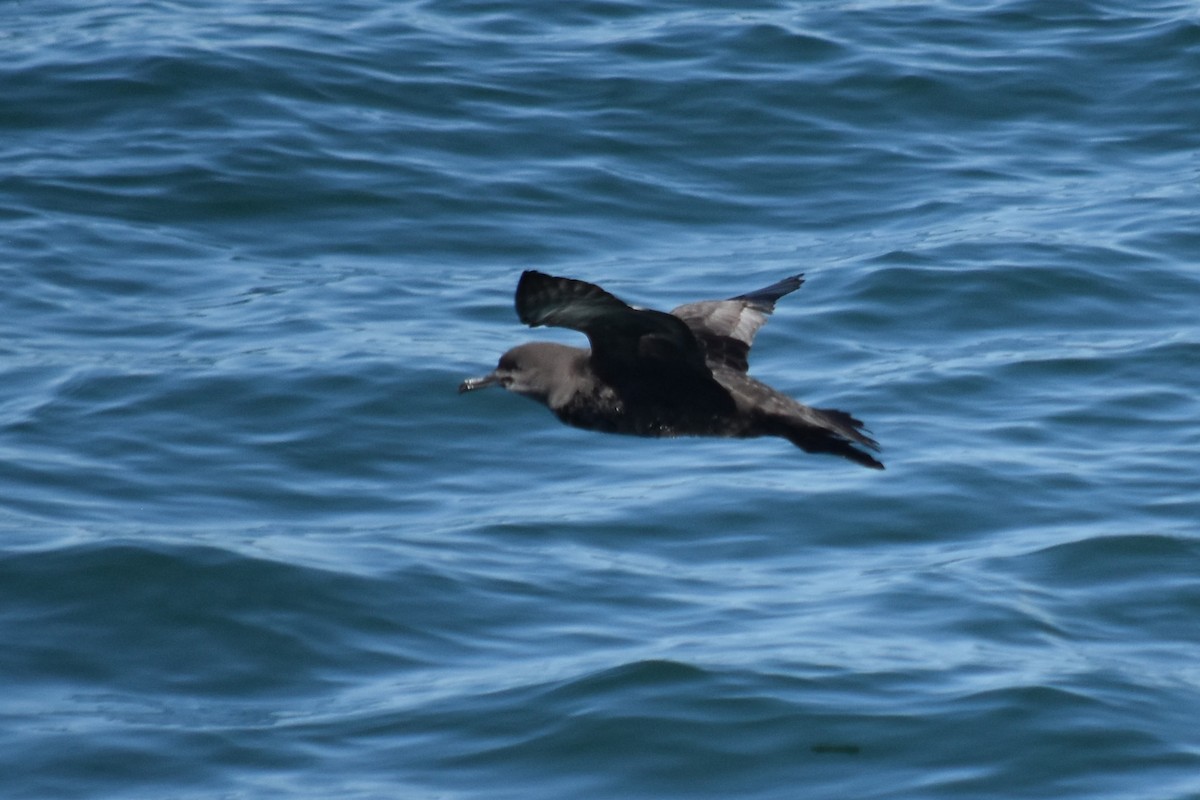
{"x": 649, "y": 373}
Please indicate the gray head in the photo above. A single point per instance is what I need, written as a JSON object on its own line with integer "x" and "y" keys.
{"x": 543, "y": 371}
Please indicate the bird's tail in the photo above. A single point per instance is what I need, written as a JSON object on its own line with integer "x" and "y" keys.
{"x": 837, "y": 436}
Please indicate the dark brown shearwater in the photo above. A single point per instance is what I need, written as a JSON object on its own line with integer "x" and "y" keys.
{"x": 649, "y": 373}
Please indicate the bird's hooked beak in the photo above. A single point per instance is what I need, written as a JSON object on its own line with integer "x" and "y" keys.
{"x": 471, "y": 384}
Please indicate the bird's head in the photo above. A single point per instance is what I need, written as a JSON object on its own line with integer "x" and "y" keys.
{"x": 535, "y": 370}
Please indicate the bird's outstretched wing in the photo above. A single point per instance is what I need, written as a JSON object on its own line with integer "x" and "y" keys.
{"x": 618, "y": 332}
{"x": 725, "y": 329}
{"x": 647, "y": 351}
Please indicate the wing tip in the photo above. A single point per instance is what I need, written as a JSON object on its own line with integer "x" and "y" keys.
{"x": 767, "y": 296}
{"x": 526, "y": 299}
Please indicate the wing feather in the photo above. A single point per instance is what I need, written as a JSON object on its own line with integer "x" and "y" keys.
{"x": 726, "y": 328}
{"x": 644, "y": 352}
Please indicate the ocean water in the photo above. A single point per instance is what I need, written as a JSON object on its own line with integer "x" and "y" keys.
{"x": 253, "y": 545}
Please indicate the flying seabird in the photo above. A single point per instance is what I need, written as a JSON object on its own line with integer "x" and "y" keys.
{"x": 649, "y": 373}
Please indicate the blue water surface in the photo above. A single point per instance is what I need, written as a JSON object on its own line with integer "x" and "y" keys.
{"x": 253, "y": 545}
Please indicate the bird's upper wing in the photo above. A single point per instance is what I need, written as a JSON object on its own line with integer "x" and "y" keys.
{"x": 618, "y": 332}
{"x": 657, "y": 351}
{"x": 726, "y": 328}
